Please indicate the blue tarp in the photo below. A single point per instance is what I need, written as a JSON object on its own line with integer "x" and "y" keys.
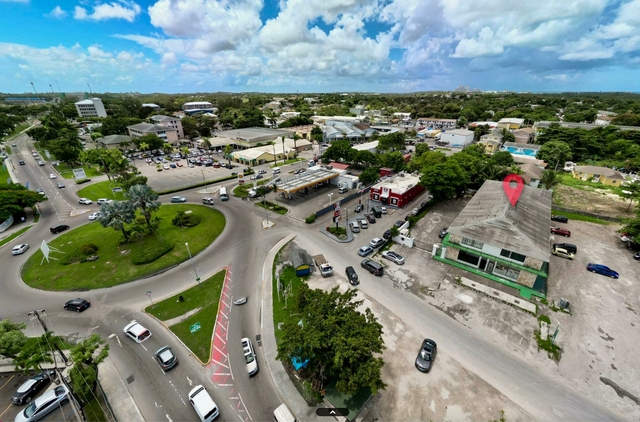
{"x": 297, "y": 364}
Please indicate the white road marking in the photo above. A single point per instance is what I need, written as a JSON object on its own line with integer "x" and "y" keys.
{"x": 145, "y": 349}
{"x": 156, "y": 403}
{"x": 215, "y": 347}
{"x": 223, "y": 327}
{"x": 245, "y": 407}
{"x": 221, "y": 339}
{"x": 189, "y": 381}
{"x": 225, "y": 385}
{"x": 168, "y": 418}
{"x": 95, "y": 328}
{"x": 219, "y": 363}
{"x": 117, "y": 338}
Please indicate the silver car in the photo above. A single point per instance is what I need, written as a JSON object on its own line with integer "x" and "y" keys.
{"x": 44, "y": 404}
{"x": 393, "y": 256}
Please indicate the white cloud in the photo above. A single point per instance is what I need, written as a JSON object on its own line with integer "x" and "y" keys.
{"x": 57, "y": 12}
{"x": 126, "y": 10}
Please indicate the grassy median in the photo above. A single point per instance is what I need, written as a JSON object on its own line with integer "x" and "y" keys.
{"x": 114, "y": 265}
{"x": 205, "y": 298}
{"x": 101, "y": 190}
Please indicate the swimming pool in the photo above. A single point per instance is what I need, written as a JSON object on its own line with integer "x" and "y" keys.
{"x": 520, "y": 151}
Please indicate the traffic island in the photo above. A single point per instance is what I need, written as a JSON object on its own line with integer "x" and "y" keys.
{"x": 191, "y": 315}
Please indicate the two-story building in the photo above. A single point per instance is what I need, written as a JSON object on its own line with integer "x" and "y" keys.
{"x": 603, "y": 175}
{"x": 170, "y": 122}
{"x": 167, "y": 134}
{"x": 524, "y": 135}
{"x": 397, "y": 190}
{"x": 457, "y": 137}
{"x": 507, "y": 245}
{"x": 435, "y": 123}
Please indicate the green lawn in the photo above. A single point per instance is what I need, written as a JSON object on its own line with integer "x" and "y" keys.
{"x": 277, "y": 208}
{"x": 4, "y": 173}
{"x": 101, "y": 190}
{"x": 569, "y": 180}
{"x": 572, "y": 216}
{"x": 283, "y": 311}
{"x": 14, "y": 235}
{"x": 66, "y": 171}
{"x": 205, "y": 296}
{"x": 113, "y": 267}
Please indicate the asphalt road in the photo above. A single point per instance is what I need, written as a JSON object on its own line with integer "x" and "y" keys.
{"x": 242, "y": 247}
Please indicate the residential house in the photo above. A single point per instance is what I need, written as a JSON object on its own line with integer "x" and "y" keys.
{"x": 397, "y": 191}
{"x": 524, "y": 135}
{"x": 531, "y": 174}
{"x": 603, "y": 175}
{"x": 511, "y": 123}
{"x": 457, "y": 137}
{"x": 603, "y": 120}
{"x": 508, "y": 246}
{"x": 167, "y": 134}
{"x": 492, "y": 125}
{"x": 151, "y": 105}
{"x": 170, "y": 122}
{"x": 92, "y": 107}
{"x": 491, "y": 146}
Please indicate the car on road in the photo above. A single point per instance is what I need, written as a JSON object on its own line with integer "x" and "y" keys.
{"x": 207, "y": 201}
{"x": 176, "y": 199}
{"x": 371, "y": 218}
{"x": 135, "y": 331}
{"x": 569, "y": 247}
{"x": 52, "y": 176}
{"x": 262, "y": 171}
{"x": 103, "y": 201}
{"x": 45, "y": 404}
{"x": 94, "y": 216}
{"x": 21, "y": 162}
{"x": 60, "y": 185}
{"x": 13, "y": 145}
{"x": 40, "y": 191}
{"x": 399, "y": 223}
{"x": 561, "y": 252}
{"x": 560, "y": 218}
{"x": 85, "y": 201}
{"x": 165, "y": 358}
{"x": 249, "y": 357}
{"x": 30, "y": 388}
{"x": 365, "y": 250}
{"x": 387, "y": 234}
{"x": 602, "y": 269}
{"x": 355, "y": 228}
{"x": 58, "y": 228}
{"x": 426, "y": 355}
{"x": 443, "y": 233}
{"x": 191, "y": 165}
{"x": 394, "y": 257}
{"x": 376, "y": 242}
{"x": 19, "y": 249}
{"x": 77, "y": 305}
{"x": 41, "y": 163}
{"x": 372, "y": 266}
{"x": 259, "y": 176}
{"x": 203, "y": 404}
{"x": 560, "y": 231}
{"x": 253, "y": 177}
{"x": 352, "y": 276}
{"x": 172, "y": 165}
{"x": 358, "y": 208}
{"x": 179, "y": 164}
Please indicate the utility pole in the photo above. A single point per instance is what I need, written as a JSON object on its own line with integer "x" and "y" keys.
{"x": 77, "y": 410}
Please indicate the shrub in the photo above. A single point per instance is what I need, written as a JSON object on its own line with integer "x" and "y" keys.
{"x": 310, "y": 219}
{"x": 73, "y": 257}
{"x": 192, "y": 221}
{"x": 89, "y": 249}
{"x": 544, "y": 318}
{"x": 150, "y": 254}
{"x": 81, "y": 181}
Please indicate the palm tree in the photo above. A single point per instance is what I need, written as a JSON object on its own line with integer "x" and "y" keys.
{"x": 550, "y": 178}
{"x": 116, "y": 214}
{"x": 275, "y": 158}
{"x": 295, "y": 146}
{"x": 167, "y": 147}
{"x": 144, "y": 146}
{"x": 185, "y": 151}
{"x": 227, "y": 152}
{"x": 144, "y": 198}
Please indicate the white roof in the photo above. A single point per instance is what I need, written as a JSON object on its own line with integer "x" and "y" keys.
{"x": 398, "y": 184}
{"x": 366, "y": 147}
{"x": 461, "y": 132}
{"x": 512, "y": 120}
{"x": 85, "y": 102}
{"x": 199, "y": 103}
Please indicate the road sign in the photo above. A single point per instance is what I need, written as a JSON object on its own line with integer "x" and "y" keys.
{"x": 336, "y": 213}
{"x": 195, "y": 327}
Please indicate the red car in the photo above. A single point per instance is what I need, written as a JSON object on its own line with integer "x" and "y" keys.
{"x": 561, "y": 232}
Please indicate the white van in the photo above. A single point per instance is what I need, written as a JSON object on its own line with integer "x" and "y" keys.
{"x": 276, "y": 170}
{"x": 203, "y": 404}
{"x": 283, "y": 414}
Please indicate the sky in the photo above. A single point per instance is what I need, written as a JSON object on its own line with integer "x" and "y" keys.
{"x": 288, "y": 46}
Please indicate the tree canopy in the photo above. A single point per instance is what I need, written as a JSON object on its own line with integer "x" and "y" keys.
{"x": 14, "y": 198}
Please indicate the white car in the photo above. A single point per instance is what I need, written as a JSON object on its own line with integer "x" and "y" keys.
{"x": 166, "y": 166}
{"x": 103, "y": 201}
{"x": 136, "y": 332}
{"x": 85, "y": 201}
{"x": 383, "y": 210}
{"x": 19, "y": 249}
{"x": 45, "y": 404}
{"x": 95, "y": 216}
{"x": 52, "y": 176}
{"x": 249, "y": 356}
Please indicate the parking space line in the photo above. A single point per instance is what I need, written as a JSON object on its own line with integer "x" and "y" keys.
{"x": 12, "y": 376}
{"x": 5, "y": 410}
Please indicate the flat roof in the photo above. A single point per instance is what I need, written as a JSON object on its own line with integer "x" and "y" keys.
{"x": 252, "y": 134}
{"x": 399, "y": 183}
{"x": 308, "y": 179}
{"x": 367, "y": 146}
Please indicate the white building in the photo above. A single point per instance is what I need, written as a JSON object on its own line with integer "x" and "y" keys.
{"x": 92, "y": 107}
{"x": 457, "y": 137}
{"x": 198, "y": 107}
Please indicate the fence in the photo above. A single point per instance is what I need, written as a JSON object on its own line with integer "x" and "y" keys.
{"x": 343, "y": 200}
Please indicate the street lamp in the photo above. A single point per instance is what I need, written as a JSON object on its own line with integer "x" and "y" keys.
{"x": 192, "y": 263}
{"x": 330, "y": 195}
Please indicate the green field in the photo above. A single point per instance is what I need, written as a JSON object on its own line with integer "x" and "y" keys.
{"x": 101, "y": 190}
{"x": 114, "y": 264}
{"x": 204, "y": 296}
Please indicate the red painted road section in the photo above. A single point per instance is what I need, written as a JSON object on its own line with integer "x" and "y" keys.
{"x": 219, "y": 356}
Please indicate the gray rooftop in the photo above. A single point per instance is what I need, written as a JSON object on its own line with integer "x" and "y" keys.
{"x": 114, "y": 139}
{"x": 148, "y": 127}
{"x": 306, "y": 180}
{"x": 253, "y": 134}
{"x": 490, "y": 218}
{"x": 161, "y": 118}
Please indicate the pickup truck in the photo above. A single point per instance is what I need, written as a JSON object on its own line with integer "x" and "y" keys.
{"x": 325, "y": 268}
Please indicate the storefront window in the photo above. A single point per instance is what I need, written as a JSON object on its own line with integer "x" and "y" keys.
{"x": 394, "y": 201}
{"x": 506, "y": 272}
{"x": 467, "y": 258}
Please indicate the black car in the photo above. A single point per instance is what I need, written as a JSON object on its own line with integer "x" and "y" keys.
{"x": 371, "y": 218}
{"x": 443, "y": 233}
{"x": 166, "y": 359}
{"x": 426, "y": 355}
{"x": 29, "y": 389}
{"x": 59, "y": 228}
{"x": 634, "y": 246}
{"x": 560, "y": 218}
{"x": 358, "y": 208}
{"x": 77, "y": 305}
{"x": 21, "y": 162}
{"x": 372, "y": 266}
{"x": 399, "y": 223}
{"x": 387, "y": 235}
{"x": 352, "y": 276}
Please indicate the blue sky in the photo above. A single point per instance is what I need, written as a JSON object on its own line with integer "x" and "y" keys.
{"x": 177, "y": 46}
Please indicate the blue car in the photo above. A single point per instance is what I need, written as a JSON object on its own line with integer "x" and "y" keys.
{"x": 601, "y": 269}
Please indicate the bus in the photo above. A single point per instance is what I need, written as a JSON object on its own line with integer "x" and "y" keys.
{"x": 223, "y": 194}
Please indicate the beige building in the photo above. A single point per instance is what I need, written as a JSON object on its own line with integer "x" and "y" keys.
{"x": 524, "y": 135}
{"x": 266, "y": 153}
{"x": 170, "y": 122}
{"x": 490, "y": 145}
{"x": 167, "y": 134}
{"x": 596, "y": 174}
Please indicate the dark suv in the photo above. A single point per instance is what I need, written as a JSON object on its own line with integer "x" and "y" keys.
{"x": 59, "y": 228}
{"x": 372, "y": 266}
{"x": 352, "y": 276}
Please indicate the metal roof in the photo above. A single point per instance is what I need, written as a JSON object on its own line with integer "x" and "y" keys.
{"x": 490, "y": 218}
{"x": 307, "y": 179}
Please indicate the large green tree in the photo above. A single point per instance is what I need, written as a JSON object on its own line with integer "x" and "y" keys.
{"x": 369, "y": 175}
{"x": 117, "y": 125}
{"x": 550, "y": 179}
{"x": 15, "y": 198}
{"x": 67, "y": 150}
{"x": 444, "y": 181}
{"x": 392, "y": 141}
{"x": 151, "y": 140}
{"x": 142, "y": 197}
{"x": 554, "y": 153}
{"x": 12, "y": 338}
{"x": 116, "y": 214}
{"x": 341, "y": 343}
{"x": 86, "y": 356}
{"x": 338, "y": 151}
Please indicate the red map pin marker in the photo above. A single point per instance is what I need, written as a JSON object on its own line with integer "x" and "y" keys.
{"x": 513, "y": 186}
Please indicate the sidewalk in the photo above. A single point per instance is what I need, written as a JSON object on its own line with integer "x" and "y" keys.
{"x": 116, "y": 391}
{"x": 281, "y": 382}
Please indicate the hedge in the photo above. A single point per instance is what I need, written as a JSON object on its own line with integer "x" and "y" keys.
{"x": 150, "y": 254}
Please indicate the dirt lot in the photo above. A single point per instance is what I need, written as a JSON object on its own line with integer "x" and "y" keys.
{"x": 600, "y": 201}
